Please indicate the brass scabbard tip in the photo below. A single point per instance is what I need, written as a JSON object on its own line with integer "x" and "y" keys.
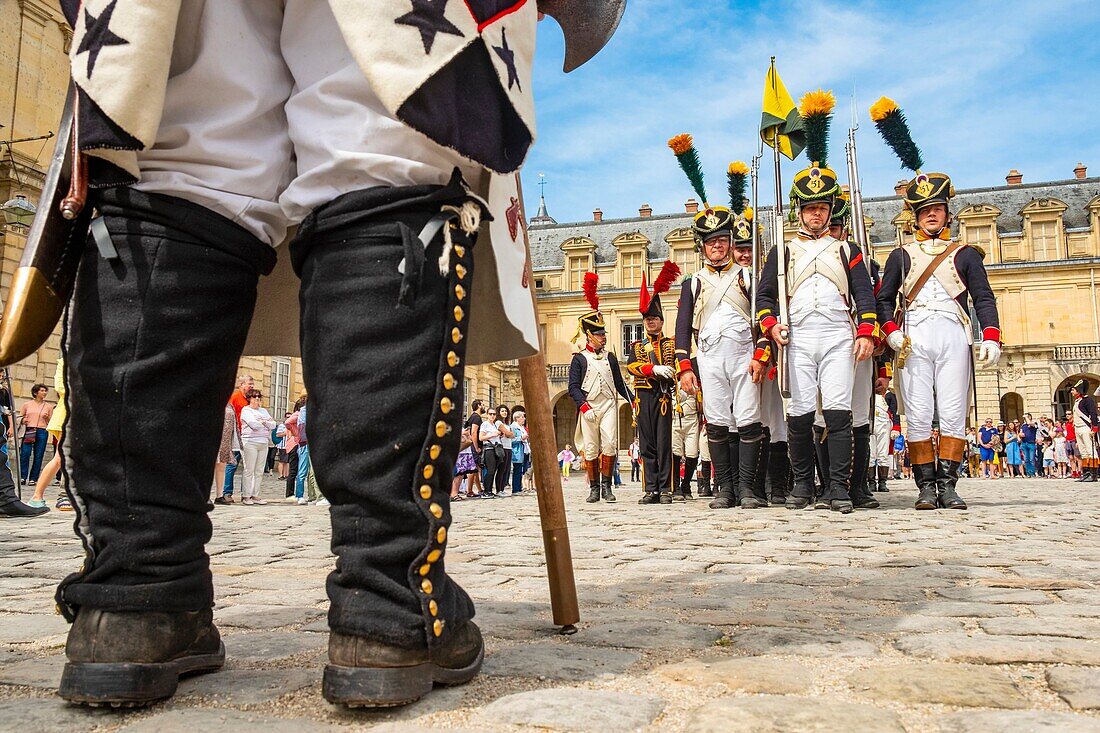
{"x": 30, "y": 315}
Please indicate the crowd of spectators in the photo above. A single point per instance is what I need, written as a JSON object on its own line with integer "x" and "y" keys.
{"x": 1023, "y": 449}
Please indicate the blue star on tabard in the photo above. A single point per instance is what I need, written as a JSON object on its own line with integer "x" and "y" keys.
{"x": 98, "y": 35}
{"x": 427, "y": 17}
{"x": 508, "y": 56}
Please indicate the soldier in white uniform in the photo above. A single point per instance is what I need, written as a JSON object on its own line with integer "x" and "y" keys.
{"x": 923, "y": 304}
{"x": 1086, "y": 423}
{"x": 595, "y": 384}
{"x": 825, "y": 278}
{"x": 716, "y": 311}
{"x": 686, "y": 428}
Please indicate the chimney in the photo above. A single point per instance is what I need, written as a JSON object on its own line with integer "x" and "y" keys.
{"x": 646, "y": 211}
{"x": 1014, "y": 177}
{"x": 1080, "y": 172}
{"x": 597, "y": 215}
{"x": 899, "y": 187}
{"x": 692, "y": 206}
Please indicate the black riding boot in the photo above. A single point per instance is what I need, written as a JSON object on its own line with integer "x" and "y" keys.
{"x": 761, "y": 488}
{"x": 154, "y": 340}
{"x": 689, "y": 471}
{"x": 947, "y": 476}
{"x": 704, "y": 478}
{"x": 384, "y": 335}
{"x": 779, "y": 472}
{"x": 839, "y": 471}
{"x": 719, "y": 436}
{"x": 883, "y": 474}
{"x": 748, "y": 463}
{"x": 821, "y": 466}
{"x": 801, "y": 435}
{"x": 607, "y": 478}
{"x": 861, "y": 455}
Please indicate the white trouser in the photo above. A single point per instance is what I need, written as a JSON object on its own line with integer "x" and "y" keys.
{"x": 861, "y": 396}
{"x": 685, "y": 434}
{"x": 254, "y": 456}
{"x": 599, "y": 436}
{"x": 880, "y": 442}
{"x": 267, "y": 116}
{"x": 820, "y": 362}
{"x": 704, "y": 445}
{"x": 936, "y": 378}
{"x": 772, "y": 412}
{"x": 730, "y": 399}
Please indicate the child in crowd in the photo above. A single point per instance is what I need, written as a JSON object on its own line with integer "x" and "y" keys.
{"x": 565, "y": 460}
{"x": 1060, "y": 457}
{"x": 1048, "y": 457}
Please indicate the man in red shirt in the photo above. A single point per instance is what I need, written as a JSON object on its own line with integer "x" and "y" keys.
{"x": 238, "y": 401}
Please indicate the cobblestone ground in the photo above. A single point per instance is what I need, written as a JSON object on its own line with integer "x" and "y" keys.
{"x": 694, "y": 620}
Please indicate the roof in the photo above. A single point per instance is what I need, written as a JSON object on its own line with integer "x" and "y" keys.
{"x": 546, "y": 239}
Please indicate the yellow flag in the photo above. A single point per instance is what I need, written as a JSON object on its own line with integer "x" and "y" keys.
{"x": 780, "y": 122}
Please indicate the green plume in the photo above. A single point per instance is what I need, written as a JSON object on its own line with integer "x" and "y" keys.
{"x": 688, "y": 159}
{"x": 736, "y": 178}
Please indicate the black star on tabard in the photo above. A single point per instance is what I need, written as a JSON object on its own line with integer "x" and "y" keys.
{"x": 508, "y": 56}
{"x": 427, "y": 16}
{"x": 98, "y": 34}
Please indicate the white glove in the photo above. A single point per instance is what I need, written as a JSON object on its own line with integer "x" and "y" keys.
{"x": 989, "y": 353}
{"x": 664, "y": 372}
{"x": 895, "y": 340}
{"x": 894, "y": 434}
{"x": 589, "y": 415}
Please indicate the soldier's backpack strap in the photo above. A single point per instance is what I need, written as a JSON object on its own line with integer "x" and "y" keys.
{"x": 929, "y": 271}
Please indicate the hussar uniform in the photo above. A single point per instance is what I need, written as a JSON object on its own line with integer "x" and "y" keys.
{"x": 716, "y": 313}
{"x": 1086, "y": 423}
{"x": 926, "y": 286}
{"x": 653, "y": 366}
{"x": 595, "y": 384}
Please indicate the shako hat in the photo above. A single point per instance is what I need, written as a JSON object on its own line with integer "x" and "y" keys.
{"x": 592, "y": 321}
{"x": 711, "y": 221}
{"x": 842, "y": 208}
{"x": 741, "y": 226}
{"x": 924, "y": 189}
{"x": 649, "y": 303}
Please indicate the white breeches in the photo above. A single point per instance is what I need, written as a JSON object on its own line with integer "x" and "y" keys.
{"x": 686, "y": 435}
{"x": 267, "y": 116}
{"x": 771, "y": 410}
{"x": 936, "y": 378}
{"x": 862, "y": 391}
{"x": 1086, "y": 444}
{"x": 880, "y": 442}
{"x": 730, "y": 398}
{"x": 820, "y": 363}
{"x": 704, "y": 445}
{"x": 599, "y": 436}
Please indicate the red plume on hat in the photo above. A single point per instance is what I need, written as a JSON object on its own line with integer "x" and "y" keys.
{"x": 650, "y": 304}
{"x": 591, "y": 282}
{"x": 643, "y": 296}
{"x": 669, "y": 272}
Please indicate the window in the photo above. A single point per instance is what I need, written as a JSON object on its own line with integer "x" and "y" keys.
{"x": 631, "y": 333}
{"x": 280, "y": 388}
{"x": 466, "y": 400}
{"x": 492, "y": 397}
{"x": 687, "y": 259}
{"x": 578, "y": 265}
{"x": 980, "y": 235}
{"x": 630, "y": 265}
{"x": 540, "y": 284}
{"x": 1044, "y": 240}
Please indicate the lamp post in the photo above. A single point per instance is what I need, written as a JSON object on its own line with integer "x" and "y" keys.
{"x": 18, "y": 210}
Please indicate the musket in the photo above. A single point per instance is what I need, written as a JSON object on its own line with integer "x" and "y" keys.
{"x": 754, "y": 173}
{"x": 859, "y": 230}
{"x": 781, "y": 364}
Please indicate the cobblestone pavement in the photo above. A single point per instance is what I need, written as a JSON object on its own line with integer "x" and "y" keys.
{"x": 694, "y": 620}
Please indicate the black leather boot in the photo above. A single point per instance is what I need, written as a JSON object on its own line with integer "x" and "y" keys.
{"x": 859, "y": 493}
{"x": 821, "y": 466}
{"x": 800, "y": 432}
{"x": 10, "y": 505}
{"x": 839, "y": 471}
{"x": 719, "y": 436}
{"x": 883, "y": 474}
{"x": 132, "y": 658}
{"x": 748, "y": 463}
{"x": 761, "y": 488}
{"x": 928, "y": 492}
{"x": 779, "y": 473}
{"x": 607, "y": 478}
{"x": 704, "y": 478}
{"x": 689, "y": 471}
{"x": 1088, "y": 474}
{"x": 592, "y": 473}
{"x": 947, "y": 476}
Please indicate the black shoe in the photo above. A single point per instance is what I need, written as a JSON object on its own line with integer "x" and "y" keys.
{"x": 705, "y": 492}
{"x": 844, "y": 507}
{"x": 725, "y": 499}
{"x": 607, "y": 496}
{"x": 224, "y": 499}
{"x": 867, "y": 504}
{"x": 796, "y": 502}
{"x": 948, "y": 499}
{"x": 925, "y": 476}
{"x": 19, "y": 510}
{"x": 650, "y": 499}
{"x": 593, "y": 495}
{"x": 132, "y": 658}
{"x": 365, "y": 673}
{"x": 678, "y": 496}
{"x": 667, "y": 498}
{"x": 751, "y": 502}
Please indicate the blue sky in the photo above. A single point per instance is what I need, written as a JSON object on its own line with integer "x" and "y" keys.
{"x": 986, "y": 86}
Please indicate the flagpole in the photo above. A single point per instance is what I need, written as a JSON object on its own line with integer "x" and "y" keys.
{"x": 780, "y": 255}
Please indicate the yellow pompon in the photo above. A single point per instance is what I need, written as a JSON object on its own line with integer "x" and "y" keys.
{"x": 882, "y": 107}
{"x": 747, "y": 213}
{"x": 738, "y": 167}
{"x": 820, "y": 102}
{"x": 681, "y": 143}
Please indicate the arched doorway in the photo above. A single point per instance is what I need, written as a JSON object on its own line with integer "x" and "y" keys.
{"x": 626, "y": 426}
{"x": 1012, "y": 407}
{"x": 1062, "y": 401}
{"x": 565, "y": 420}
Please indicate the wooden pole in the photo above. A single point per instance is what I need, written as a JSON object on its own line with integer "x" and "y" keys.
{"x": 544, "y": 462}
